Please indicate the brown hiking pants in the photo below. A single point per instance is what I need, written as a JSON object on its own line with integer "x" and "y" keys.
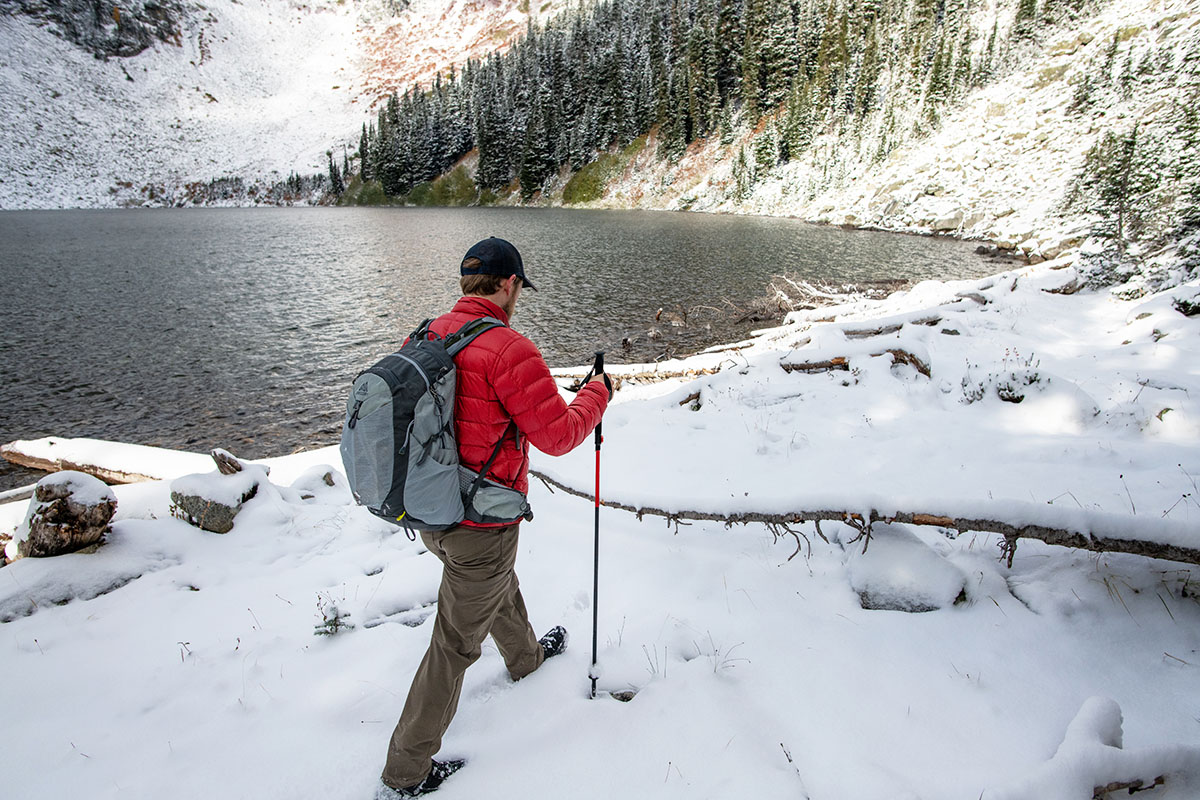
{"x": 479, "y": 595}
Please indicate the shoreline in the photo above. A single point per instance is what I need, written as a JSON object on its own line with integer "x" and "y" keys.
{"x": 1013, "y": 253}
{"x": 564, "y": 373}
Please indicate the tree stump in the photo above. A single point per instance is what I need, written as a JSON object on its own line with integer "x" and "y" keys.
{"x": 69, "y": 511}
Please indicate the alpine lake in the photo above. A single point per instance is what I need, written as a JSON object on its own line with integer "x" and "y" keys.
{"x": 242, "y": 328}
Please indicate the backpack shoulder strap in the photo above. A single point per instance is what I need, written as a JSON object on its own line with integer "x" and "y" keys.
{"x": 467, "y": 333}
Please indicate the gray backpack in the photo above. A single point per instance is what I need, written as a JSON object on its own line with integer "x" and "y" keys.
{"x": 398, "y": 442}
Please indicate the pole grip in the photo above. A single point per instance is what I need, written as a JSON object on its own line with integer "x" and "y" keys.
{"x": 598, "y": 369}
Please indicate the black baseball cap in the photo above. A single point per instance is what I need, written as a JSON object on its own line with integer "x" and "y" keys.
{"x": 496, "y": 257}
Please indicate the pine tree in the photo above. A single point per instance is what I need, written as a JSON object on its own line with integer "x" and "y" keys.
{"x": 1118, "y": 183}
{"x": 364, "y": 154}
{"x": 729, "y": 38}
{"x": 987, "y": 66}
{"x": 1188, "y": 164}
{"x": 335, "y": 175}
{"x": 938, "y": 89}
{"x": 752, "y": 69}
{"x": 799, "y": 121}
{"x": 1025, "y": 22}
{"x": 742, "y": 177}
{"x": 766, "y": 151}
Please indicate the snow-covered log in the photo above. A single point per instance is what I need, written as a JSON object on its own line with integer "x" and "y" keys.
{"x": 1104, "y": 534}
{"x": 1091, "y": 762}
{"x": 105, "y": 460}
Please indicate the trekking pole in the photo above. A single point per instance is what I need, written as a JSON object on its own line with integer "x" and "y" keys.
{"x": 593, "y": 673}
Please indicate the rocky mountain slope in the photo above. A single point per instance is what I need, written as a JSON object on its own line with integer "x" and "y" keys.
{"x": 110, "y": 104}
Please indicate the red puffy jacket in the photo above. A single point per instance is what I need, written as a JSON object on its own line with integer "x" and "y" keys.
{"x": 501, "y": 377}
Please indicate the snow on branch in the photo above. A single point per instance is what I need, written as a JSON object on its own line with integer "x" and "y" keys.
{"x": 1105, "y": 533}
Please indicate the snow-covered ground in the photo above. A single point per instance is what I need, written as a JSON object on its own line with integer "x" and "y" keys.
{"x": 187, "y": 666}
{"x": 253, "y": 89}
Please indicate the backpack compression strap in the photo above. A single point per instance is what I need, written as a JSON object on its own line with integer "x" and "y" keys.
{"x": 512, "y": 426}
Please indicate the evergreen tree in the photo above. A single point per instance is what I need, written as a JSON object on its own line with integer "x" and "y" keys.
{"x": 799, "y": 122}
{"x": 1118, "y": 183}
{"x": 1188, "y": 164}
{"x": 742, "y": 177}
{"x": 766, "y": 151}
{"x": 1025, "y": 22}
{"x": 364, "y": 154}
{"x": 335, "y": 175}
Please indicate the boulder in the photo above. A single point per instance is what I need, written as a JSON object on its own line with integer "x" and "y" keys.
{"x": 69, "y": 511}
{"x": 899, "y": 572}
{"x": 950, "y": 222}
{"x": 212, "y": 500}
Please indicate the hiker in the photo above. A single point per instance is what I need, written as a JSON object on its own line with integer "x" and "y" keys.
{"x": 504, "y": 391}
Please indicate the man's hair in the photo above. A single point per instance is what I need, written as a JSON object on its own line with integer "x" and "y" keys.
{"x": 481, "y": 285}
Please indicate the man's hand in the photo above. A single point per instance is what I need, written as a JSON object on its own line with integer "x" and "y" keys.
{"x": 603, "y": 376}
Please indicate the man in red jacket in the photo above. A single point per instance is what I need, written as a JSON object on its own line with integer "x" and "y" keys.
{"x": 505, "y": 393}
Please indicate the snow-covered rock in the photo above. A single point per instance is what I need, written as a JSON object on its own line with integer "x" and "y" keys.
{"x": 899, "y": 572}
{"x": 212, "y": 500}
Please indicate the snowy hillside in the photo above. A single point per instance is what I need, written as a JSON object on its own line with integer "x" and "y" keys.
{"x": 997, "y": 168}
{"x": 254, "y": 89}
{"x": 178, "y": 663}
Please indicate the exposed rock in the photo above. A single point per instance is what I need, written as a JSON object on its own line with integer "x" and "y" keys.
{"x": 1054, "y": 249}
{"x": 212, "y": 500}
{"x": 69, "y": 511}
{"x": 951, "y": 222}
{"x": 107, "y": 28}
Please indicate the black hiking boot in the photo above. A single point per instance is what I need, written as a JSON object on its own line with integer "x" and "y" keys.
{"x": 554, "y": 641}
{"x": 441, "y": 770}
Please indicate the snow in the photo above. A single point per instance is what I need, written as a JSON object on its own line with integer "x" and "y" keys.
{"x": 228, "y": 490}
{"x": 898, "y": 571}
{"x": 757, "y": 669}
{"x": 254, "y": 89}
{"x": 85, "y": 489}
{"x": 1091, "y": 756}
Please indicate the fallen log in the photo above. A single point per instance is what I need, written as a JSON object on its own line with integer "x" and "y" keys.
{"x": 106, "y": 474}
{"x": 1011, "y": 533}
{"x": 843, "y": 363}
{"x": 182, "y": 463}
{"x": 818, "y": 366}
{"x": 99, "y": 458}
{"x": 866, "y": 333}
{"x": 21, "y": 493}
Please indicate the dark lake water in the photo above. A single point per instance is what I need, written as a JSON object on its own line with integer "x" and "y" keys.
{"x": 242, "y": 328}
